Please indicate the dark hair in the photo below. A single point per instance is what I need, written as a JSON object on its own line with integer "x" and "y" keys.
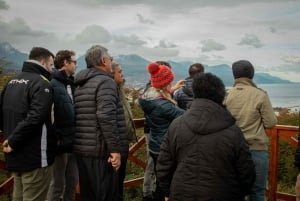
{"x": 39, "y": 53}
{"x": 195, "y": 68}
{"x": 209, "y": 86}
{"x": 61, "y": 56}
{"x": 164, "y": 63}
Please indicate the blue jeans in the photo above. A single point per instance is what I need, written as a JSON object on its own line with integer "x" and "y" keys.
{"x": 261, "y": 161}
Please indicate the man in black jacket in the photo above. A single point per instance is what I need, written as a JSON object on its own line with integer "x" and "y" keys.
{"x": 97, "y": 138}
{"x": 184, "y": 95}
{"x": 65, "y": 173}
{"x": 29, "y": 146}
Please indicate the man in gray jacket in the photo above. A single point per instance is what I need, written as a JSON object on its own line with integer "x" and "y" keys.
{"x": 97, "y": 138}
{"x": 252, "y": 109}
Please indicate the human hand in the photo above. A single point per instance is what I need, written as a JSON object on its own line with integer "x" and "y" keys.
{"x": 115, "y": 160}
{"x": 166, "y": 198}
{"x": 178, "y": 84}
{"x": 6, "y": 147}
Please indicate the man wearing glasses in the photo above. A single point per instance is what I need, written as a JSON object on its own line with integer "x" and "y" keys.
{"x": 65, "y": 173}
{"x": 97, "y": 138}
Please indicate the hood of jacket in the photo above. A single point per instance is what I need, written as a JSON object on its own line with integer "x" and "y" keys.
{"x": 83, "y": 76}
{"x": 206, "y": 117}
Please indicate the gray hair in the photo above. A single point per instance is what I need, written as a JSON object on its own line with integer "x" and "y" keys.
{"x": 94, "y": 56}
{"x": 114, "y": 65}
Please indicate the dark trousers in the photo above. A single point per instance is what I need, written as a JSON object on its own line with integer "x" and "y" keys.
{"x": 158, "y": 194}
{"x": 98, "y": 180}
{"x": 122, "y": 174}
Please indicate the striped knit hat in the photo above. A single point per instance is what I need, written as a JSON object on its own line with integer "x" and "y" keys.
{"x": 161, "y": 75}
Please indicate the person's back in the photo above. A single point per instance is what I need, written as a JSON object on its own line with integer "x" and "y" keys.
{"x": 184, "y": 96}
{"x": 160, "y": 110}
{"x": 252, "y": 109}
{"x": 29, "y": 146}
{"x": 97, "y": 138}
{"x": 204, "y": 155}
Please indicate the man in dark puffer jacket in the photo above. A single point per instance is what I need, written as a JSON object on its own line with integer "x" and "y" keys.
{"x": 97, "y": 139}
{"x": 204, "y": 155}
{"x": 184, "y": 96}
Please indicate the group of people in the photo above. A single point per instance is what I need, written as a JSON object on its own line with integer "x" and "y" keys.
{"x": 206, "y": 143}
{"x": 60, "y": 130}
{"x": 203, "y": 142}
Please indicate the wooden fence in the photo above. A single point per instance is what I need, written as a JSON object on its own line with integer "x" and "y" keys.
{"x": 286, "y": 133}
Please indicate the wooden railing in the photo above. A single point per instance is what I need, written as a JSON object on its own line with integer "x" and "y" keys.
{"x": 286, "y": 133}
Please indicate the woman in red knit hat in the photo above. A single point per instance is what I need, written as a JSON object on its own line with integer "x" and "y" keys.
{"x": 160, "y": 110}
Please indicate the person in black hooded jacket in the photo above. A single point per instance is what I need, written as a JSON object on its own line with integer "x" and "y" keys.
{"x": 29, "y": 146}
{"x": 204, "y": 155}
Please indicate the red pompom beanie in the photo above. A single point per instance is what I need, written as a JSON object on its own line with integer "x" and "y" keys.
{"x": 161, "y": 75}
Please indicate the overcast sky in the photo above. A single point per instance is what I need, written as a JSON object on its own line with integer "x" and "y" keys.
{"x": 265, "y": 32}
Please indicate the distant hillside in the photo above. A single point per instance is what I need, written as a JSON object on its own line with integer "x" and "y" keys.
{"x": 14, "y": 56}
{"x": 134, "y": 68}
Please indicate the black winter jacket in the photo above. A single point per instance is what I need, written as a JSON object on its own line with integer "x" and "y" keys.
{"x": 184, "y": 96}
{"x": 97, "y": 114}
{"x": 205, "y": 156}
{"x": 64, "y": 113}
{"x": 26, "y": 104}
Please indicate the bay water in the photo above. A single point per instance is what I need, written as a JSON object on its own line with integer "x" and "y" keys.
{"x": 283, "y": 95}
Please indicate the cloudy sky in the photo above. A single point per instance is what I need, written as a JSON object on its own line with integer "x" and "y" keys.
{"x": 266, "y": 32}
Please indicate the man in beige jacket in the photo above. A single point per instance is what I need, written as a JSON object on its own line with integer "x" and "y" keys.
{"x": 252, "y": 109}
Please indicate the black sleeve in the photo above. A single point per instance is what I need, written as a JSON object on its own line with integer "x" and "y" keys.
{"x": 38, "y": 111}
{"x": 107, "y": 100}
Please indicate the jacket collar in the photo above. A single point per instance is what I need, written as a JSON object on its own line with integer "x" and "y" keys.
{"x": 33, "y": 67}
{"x": 244, "y": 81}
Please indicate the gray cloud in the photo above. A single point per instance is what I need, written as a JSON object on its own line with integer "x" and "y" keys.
{"x": 292, "y": 60}
{"x": 17, "y": 31}
{"x": 211, "y": 45}
{"x": 93, "y": 34}
{"x": 166, "y": 44}
{"x": 168, "y": 6}
{"x": 3, "y": 5}
{"x": 273, "y": 30}
{"x": 144, "y": 20}
{"x": 131, "y": 40}
{"x": 251, "y": 40}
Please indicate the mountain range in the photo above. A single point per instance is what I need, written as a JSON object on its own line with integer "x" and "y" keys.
{"x": 134, "y": 68}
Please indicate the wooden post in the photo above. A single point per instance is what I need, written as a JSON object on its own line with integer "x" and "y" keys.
{"x": 273, "y": 171}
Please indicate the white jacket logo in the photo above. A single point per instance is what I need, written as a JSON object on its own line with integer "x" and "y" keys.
{"x": 21, "y": 81}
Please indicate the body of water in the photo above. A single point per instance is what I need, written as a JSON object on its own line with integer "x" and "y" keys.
{"x": 283, "y": 95}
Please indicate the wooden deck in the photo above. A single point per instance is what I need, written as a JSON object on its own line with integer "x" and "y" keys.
{"x": 286, "y": 133}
